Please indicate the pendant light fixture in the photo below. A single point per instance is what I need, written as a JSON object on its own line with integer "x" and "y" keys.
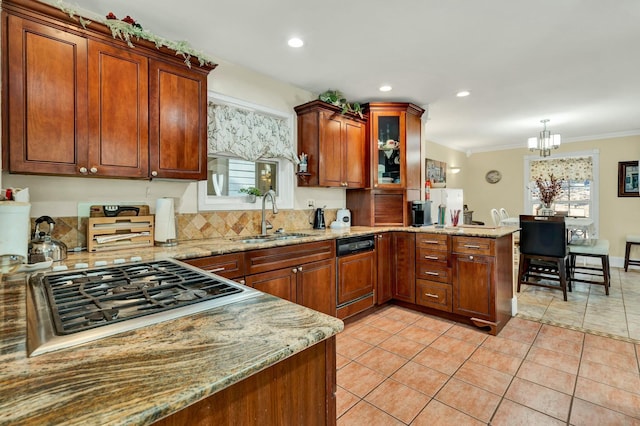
{"x": 545, "y": 141}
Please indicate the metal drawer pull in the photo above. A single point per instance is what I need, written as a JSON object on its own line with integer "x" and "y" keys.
{"x": 215, "y": 270}
{"x": 432, "y": 273}
{"x": 435, "y": 296}
{"x": 431, "y": 257}
{"x": 471, "y": 246}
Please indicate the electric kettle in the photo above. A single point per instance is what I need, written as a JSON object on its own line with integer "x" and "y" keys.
{"x": 318, "y": 219}
{"x": 42, "y": 245}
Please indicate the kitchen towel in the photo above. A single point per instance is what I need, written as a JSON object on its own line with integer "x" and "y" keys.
{"x": 165, "y": 227}
{"x": 14, "y": 228}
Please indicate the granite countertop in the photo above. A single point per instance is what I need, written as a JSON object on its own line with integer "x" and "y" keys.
{"x": 140, "y": 376}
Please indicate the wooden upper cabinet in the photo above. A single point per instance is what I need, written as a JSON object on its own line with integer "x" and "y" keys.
{"x": 118, "y": 112}
{"x": 44, "y": 99}
{"x": 178, "y": 122}
{"x": 78, "y": 102}
{"x": 335, "y": 144}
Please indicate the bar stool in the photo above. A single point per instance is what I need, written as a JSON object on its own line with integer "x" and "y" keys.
{"x": 631, "y": 240}
{"x": 590, "y": 248}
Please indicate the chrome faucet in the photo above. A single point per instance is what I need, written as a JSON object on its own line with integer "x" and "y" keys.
{"x": 265, "y": 223}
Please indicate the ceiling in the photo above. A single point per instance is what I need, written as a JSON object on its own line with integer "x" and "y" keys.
{"x": 574, "y": 62}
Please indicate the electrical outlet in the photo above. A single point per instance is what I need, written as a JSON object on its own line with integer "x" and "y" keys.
{"x": 311, "y": 203}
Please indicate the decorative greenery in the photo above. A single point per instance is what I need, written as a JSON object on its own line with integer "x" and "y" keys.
{"x": 128, "y": 29}
{"x": 549, "y": 189}
{"x": 251, "y": 190}
{"x": 335, "y": 97}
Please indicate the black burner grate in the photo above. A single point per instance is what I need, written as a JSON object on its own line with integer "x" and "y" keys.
{"x": 81, "y": 300}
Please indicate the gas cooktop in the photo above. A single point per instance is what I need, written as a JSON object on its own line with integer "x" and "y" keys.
{"x": 72, "y": 307}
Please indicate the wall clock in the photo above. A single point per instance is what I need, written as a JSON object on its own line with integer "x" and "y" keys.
{"x": 493, "y": 176}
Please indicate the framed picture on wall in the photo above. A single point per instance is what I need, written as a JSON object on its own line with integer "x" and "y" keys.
{"x": 628, "y": 179}
{"x": 436, "y": 172}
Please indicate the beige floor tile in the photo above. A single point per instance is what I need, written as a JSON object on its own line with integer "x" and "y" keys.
{"x": 398, "y": 400}
{"x": 436, "y": 325}
{"x": 341, "y": 361}
{"x": 351, "y": 347}
{"x": 421, "y": 378}
{"x": 484, "y": 377}
{"x": 622, "y": 361}
{"x": 370, "y": 334}
{"x": 388, "y": 324}
{"x": 558, "y": 345}
{"x": 438, "y": 360}
{"x": 466, "y": 334}
{"x": 469, "y": 399}
{"x": 524, "y": 324}
{"x": 608, "y": 344}
{"x": 547, "y": 376}
{"x": 584, "y": 413}
{"x": 403, "y": 315}
{"x": 402, "y": 346}
{"x": 608, "y": 396}
{"x": 540, "y": 398}
{"x": 358, "y": 379}
{"x": 506, "y": 346}
{"x": 438, "y": 414}
{"x": 518, "y": 334}
{"x": 384, "y": 362}
{"x": 563, "y": 362}
{"x": 510, "y": 413}
{"x": 562, "y": 333}
{"x": 530, "y": 310}
{"x": 453, "y": 346}
{"x": 611, "y": 376}
{"x": 496, "y": 360}
{"x": 344, "y": 400}
{"x": 366, "y": 414}
{"x": 418, "y": 334}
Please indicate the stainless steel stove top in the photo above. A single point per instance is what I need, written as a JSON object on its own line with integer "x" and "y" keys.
{"x": 72, "y": 307}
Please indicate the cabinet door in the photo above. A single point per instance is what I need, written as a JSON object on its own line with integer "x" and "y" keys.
{"x": 281, "y": 283}
{"x": 385, "y": 268}
{"x": 388, "y": 149}
{"x": 46, "y": 98}
{"x": 356, "y": 276}
{"x": 404, "y": 276}
{"x": 354, "y": 158}
{"x": 227, "y": 265}
{"x": 177, "y": 122}
{"x": 473, "y": 286}
{"x": 317, "y": 286}
{"x": 330, "y": 169}
{"x": 118, "y": 112}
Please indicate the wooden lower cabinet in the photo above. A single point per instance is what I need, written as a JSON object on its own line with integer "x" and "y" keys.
{"x": 403, "y": 249}
{"x": 227, "y": 265}
{"x": 384, "y": 268}
{"x": 301, "y": 390}
{"x": 434, "y": 295}
{"x": 281, "y": 283}
{"x": 473, "y": 286}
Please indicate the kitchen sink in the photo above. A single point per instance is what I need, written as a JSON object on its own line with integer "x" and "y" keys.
{"x": 271, "y": 237}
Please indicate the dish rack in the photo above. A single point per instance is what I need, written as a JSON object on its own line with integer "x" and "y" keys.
{"x": 120, "y": 232}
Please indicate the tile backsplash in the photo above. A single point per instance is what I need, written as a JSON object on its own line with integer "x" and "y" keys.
{"x": 195, "y": 226}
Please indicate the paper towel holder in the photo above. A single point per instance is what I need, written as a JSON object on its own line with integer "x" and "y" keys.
{"x": 165, "y": 234}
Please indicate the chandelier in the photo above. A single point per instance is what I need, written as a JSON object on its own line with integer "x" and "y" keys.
{"x": 544, "y": 142}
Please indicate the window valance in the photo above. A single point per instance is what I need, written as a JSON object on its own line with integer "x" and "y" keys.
{"x": 248, "y": 134}
{"x": 572, "y": 168}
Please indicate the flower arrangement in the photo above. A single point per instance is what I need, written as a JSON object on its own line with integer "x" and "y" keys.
{"x": 549, "y": 189}
{"x": 335, "y": 97}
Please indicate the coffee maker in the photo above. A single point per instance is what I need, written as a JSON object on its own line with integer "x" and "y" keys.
{"x": 420, "y": 213}
{"x": 318, "y": 219}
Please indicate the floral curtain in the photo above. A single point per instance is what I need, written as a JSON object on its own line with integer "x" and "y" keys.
{"x": 247, "y": 134}
{"x": 577, "y": 168}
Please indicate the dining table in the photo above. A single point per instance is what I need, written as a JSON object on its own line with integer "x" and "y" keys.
{"x": 577, "y": 227}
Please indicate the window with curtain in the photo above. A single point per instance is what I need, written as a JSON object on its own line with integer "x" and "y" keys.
{"x": 579, "y": 174}
{"x": 248, "y": 146}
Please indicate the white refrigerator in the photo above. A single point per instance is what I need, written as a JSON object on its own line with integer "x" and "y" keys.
{"x": 449, "y": 197}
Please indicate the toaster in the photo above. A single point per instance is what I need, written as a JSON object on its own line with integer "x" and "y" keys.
{"x": 344, "y": 217}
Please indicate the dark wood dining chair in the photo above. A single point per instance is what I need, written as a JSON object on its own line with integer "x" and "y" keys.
{"x": 543, "y": 253}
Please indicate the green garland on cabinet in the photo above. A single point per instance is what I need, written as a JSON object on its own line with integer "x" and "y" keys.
{"x": 126, "y": 31}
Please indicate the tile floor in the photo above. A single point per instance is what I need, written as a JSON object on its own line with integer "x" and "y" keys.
{"x": 400, "y": 367}
{"x": 587, "y": 307}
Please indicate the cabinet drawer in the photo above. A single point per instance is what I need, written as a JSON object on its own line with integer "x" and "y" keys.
{"x": 438, "y": 242}
{"x": 434, "y": 295}
{"x": 433, "y": 271}
{"x": 227, "y": 265}
{"x": 473, "y": 245}
{"x": 269, "y": 259}
{"x": 431, "y": 255}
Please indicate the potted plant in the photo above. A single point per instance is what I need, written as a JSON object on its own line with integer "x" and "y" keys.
{"x": 252, "y": 192}
{"x": 335, "y": 97}
{"x": 549, "y": 191}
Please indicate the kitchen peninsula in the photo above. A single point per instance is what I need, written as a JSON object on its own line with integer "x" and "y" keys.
{"x": 182, "y": 369}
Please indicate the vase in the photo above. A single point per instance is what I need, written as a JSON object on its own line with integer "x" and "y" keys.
{"x": 546, "y": 209}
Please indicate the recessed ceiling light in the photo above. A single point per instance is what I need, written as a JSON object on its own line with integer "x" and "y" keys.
{"x": 295, "y": 42}
{"x": 385, "y": 88}
{"x": 463, "y": 93}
